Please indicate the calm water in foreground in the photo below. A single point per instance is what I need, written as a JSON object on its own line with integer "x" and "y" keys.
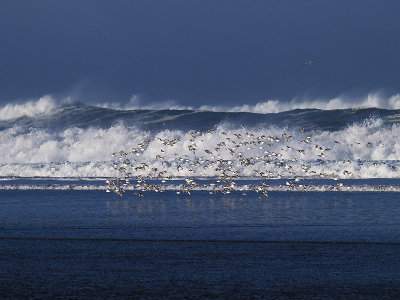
{"x": 82, "y": 244}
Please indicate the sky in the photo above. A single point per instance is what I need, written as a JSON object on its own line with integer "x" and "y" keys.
{"x": 197, "y": 53}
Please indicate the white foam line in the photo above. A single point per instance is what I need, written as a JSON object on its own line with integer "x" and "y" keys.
{"x": 243, "y": 188}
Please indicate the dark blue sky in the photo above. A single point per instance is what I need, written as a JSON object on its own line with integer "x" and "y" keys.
{"x": 198, "y": 52}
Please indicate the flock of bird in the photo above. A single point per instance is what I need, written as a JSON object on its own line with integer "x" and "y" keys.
{"x": 223, "y": 157}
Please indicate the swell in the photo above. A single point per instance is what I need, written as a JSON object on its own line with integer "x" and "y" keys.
{"x": 83, "y": 116}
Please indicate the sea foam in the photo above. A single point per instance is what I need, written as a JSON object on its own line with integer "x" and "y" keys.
{"x": 369, "y": 149}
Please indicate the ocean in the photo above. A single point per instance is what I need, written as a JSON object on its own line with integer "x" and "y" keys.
{"x": 97, "y": 202}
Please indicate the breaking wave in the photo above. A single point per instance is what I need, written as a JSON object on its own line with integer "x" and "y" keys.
{"x": 372, "y": 100}
{"x": 43, "y": 139}
{"x": 44, "y": 105}
{"x": 47, "y": 104}
{"x": 276, "y": 106}
{"x": 370, "y": 149}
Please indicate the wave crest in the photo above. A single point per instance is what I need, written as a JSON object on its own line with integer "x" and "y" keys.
{"x": 44, "y": 105}
{"x": 276, "y": 106}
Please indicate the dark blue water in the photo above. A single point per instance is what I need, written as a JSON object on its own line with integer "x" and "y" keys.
{"x": 284, "y": 216}
{"x": 83, "y": 244}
